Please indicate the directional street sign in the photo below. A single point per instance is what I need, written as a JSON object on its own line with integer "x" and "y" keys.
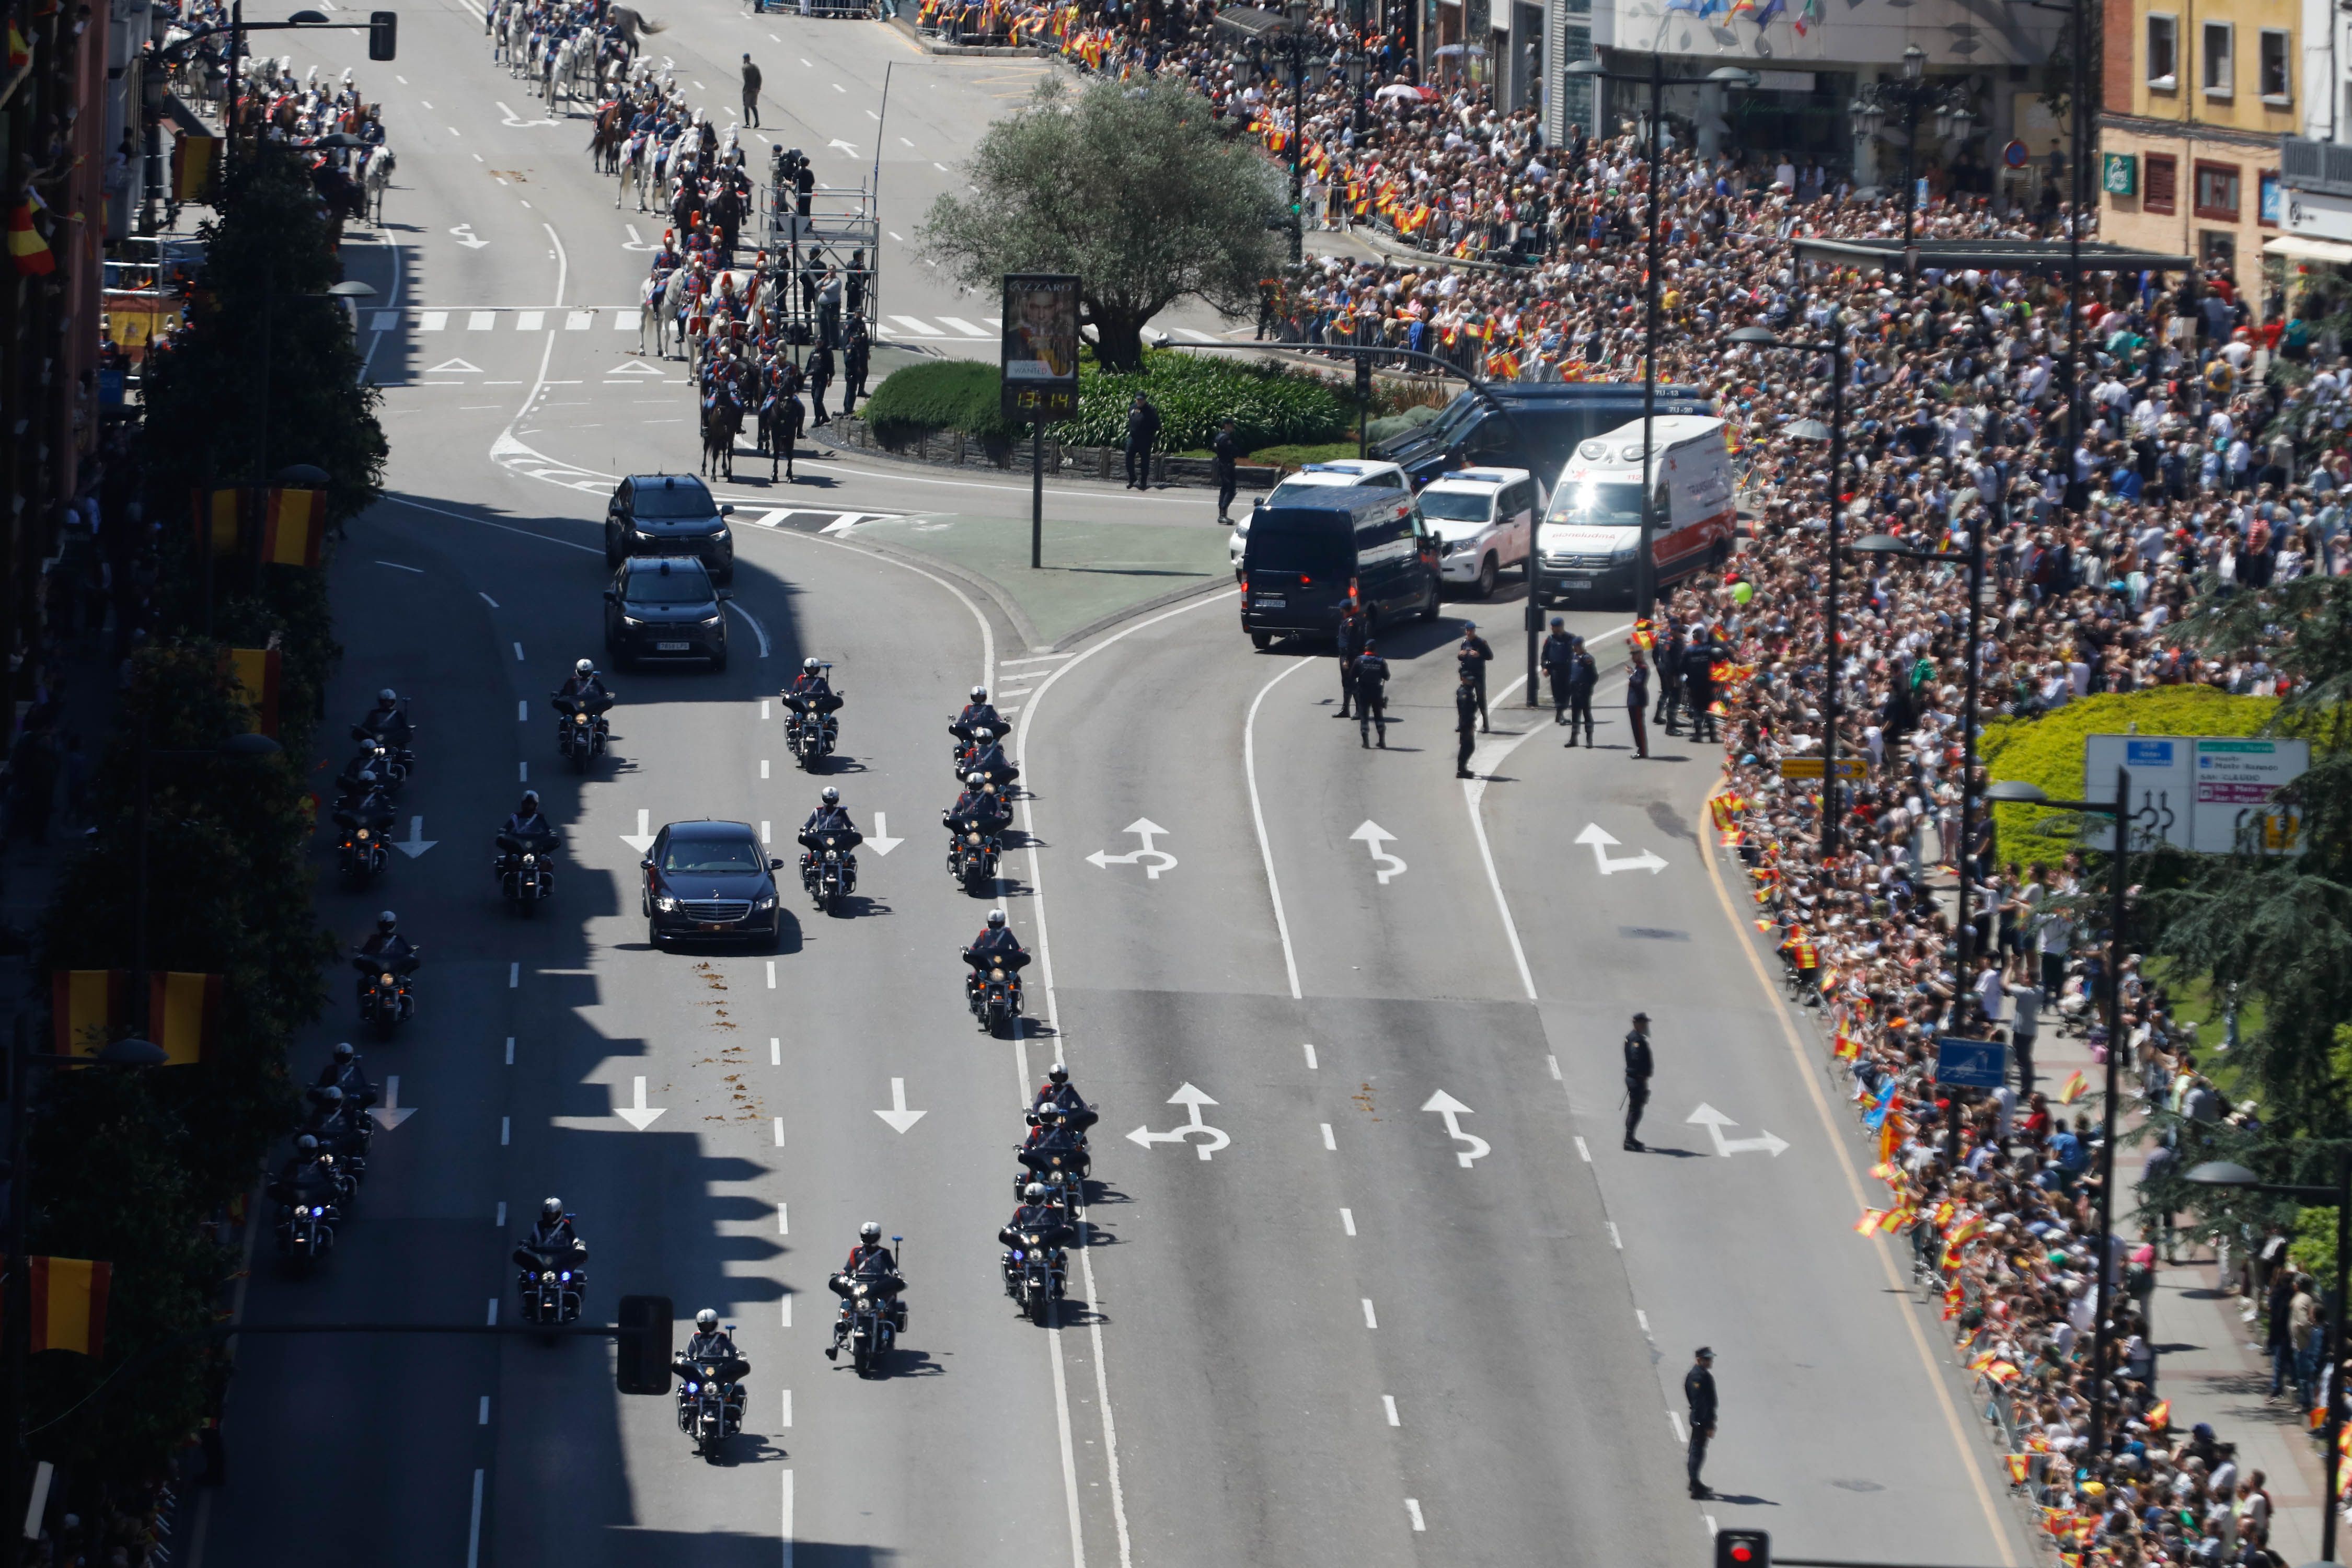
{"x": 1151, "y": 858}
{"x": 1970, "y": 1063}
{"x": 1191, "y": 1100}
{"x": 1715, "y": 1121}
{"x": 1647, "y": 860}
{"x": 1387, "y": 866}
{"x": 1452, "y": 1109}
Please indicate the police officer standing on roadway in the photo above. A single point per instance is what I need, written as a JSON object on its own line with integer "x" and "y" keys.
{"x": 1466, "y": 703}
{"x": 1639, "y": 1065}
{"x": 750, "y": 92}
{"x": 1557, "y": 658}
{"x": 1698, "y": 1387}
{"x": 1351, "y": 645}
{"x": 1474, "y": 656}
{"x": 1372, "y": 695}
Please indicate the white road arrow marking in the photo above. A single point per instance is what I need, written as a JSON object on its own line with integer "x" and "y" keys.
{"x": 639, "y": 1115}
{"x": 415, "y": 844}
{"x": 514, "y": 118}
{"x": 881, "y": 842}
{"x": 633, "y": 367}
{"x": 1192, "y": 1100}
{"x": 642, "y": 839}
{"x": 455, "y": 367}
{"x": 898, "y": 1116}
{"x": 1375, "y": 836}
{"x": 1715, "y": 1121}
{"x": 391, "y": 1113}
{"x": 465, "y": 233}
{"x": 1452, "y": 1109}
{"x": 636, "y": 244}
{"x": 842, "y": 524}
{"x": 1594, "y": 835}
{"x": 844, "y": 146}
{"x": 1153, "y": 858}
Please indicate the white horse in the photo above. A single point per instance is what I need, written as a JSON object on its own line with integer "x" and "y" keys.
{"x": 636, "y": 169}
{"x": 375, "y": 178}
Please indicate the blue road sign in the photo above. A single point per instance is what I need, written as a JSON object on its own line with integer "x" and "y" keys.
{"x": 1970, "y": 1063}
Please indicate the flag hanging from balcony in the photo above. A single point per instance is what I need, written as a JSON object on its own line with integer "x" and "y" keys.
{"x": 196, "y": 167}
{"x": 291, "y": 531}
{"x": 183, "y": 1014}
{"x": 85, "y": 1005}
{"x": 218, "y": 512}
{"x": 256, "y": 671}
{"x": 26, "y": 248}
{"x": 69, "y": 1304}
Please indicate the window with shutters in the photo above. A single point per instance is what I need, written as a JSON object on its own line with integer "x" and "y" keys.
{"x": 2217, "y": 190}
{"x": 2160, "y": 176}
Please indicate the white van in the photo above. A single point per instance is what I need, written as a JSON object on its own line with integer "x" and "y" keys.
{"x": 1594, "y": 528}
{"x": 1485, "y": 520}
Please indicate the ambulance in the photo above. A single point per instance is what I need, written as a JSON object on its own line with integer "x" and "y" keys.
{"x": 1591, "y": 531}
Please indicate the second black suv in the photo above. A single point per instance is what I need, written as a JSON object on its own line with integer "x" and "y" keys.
{"x": 661, "y": 609}
{"x": 670, "y": 514}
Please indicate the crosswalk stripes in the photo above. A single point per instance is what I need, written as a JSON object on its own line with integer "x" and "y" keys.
{"x": 624, "y": 320}
{"x": 966, "y": 328}
{"x": 806, "y": 520}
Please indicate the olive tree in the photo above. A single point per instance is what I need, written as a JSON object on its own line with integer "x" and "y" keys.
{"x": 1138, "y": 190}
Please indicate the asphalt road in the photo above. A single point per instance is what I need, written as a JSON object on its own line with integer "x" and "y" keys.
{"x": 1398, "y": 1297}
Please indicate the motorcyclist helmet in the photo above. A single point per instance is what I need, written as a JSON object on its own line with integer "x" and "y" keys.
{"x": 332, "y": 1098}
{"x": 387, "y": 697}
{"x": 830, "y": 795}
{"x": 983, "y": 735}
{"x": 529, "y": 806}
{"x": 583, "y": 669}
{"x": 386, "y": 923}
{"x": 980, "y": 694}
{"x": 1034, "y": 1192}
{"x": 306, "y": 1144}
{"x": 705, "y": 1320}
{"x": 343, "y": 1054}
{"x": 552, "y": 1210}
{"x": 976, "y": 779}
{"x": 1058, "y": 1073}
{"x": 870, "y": 1233}
{"x": 996, "y": 919}
{"x": 809, "y": 665}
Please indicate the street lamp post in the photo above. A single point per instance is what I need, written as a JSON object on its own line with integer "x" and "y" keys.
{"x": 1835, "y": 431}
{"x": 2019, "y": 792}
{"x": 2223, "y": 1174}
{"x": 1911, "y": 94}
{"x": 1645, "y": 567}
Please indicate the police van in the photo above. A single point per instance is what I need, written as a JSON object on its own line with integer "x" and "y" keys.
{"x": 1306, "y": 558}
{"x": 1592, "y": 533}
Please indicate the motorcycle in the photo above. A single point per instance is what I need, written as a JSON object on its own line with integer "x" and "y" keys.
{"x": 551, "y": 1283}
{"x": 973, "y": 856}
{"x": 399, "y": 758}
{"x": 709, "y": 1402}
{"x": 1062, "y": 1171}
{"x": 306, "y": 1231}
{"x": 526, "y": 869}
{"x": 828, "y": 873}
{"x": 811, "y": 736}
{"x": 360, "y": 848}
{"x": 386, "y": 999}
{"x": 582, "y": 730}
{"x": 371, "y": 766}
{"x": 871, "y": 1319}
{"x": 1035, "y": 1275}
{"x": 995, "y": 997}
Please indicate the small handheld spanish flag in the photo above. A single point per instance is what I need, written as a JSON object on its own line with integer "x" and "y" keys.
{"x": 2159, "y": 1415}
{"x": 1868, "y": 1224}
{"x": 1645, "y": 636}
{"x": 2017, "y": 1465}
{"x": 2076, "y": 1087}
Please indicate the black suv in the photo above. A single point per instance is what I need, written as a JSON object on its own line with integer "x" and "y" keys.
{"x": 659, "y": 608}
{"x": 670, "y": 514}
{"x": 710, "y": 879}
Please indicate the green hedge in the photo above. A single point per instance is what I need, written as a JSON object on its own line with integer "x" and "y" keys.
{"x": 1269, "y": 406}
{"x": 2048, "y": 752}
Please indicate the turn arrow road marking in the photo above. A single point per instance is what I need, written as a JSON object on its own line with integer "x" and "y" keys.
{"x": 1191, "y": 1100}
{"x": 639, "y": 1116}
{"x": 1715, "y": 1121}
{"x": 1594, "y": 835}
{"x": 898, "y": 1116}
{"x": 1153, "y": 858}
{"x": 1375, "y": 836}
{"x": 1452, "y": 1109}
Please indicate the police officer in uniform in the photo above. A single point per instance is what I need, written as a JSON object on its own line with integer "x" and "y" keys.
{"x": 1583, "y": 674}
{"x": 1372, "y": 695}
{"x": 1637, "y": 701}
{"x": 1467, "y": 700}
{"x": 1351, "y": 646}
{"x": 1558, "y": 657}
{"x": 1639, "y": 1065}
{"x": 1698, "y": 1387}
{"x": 1226, "y": 449}
{"x": 1474, "y": 656}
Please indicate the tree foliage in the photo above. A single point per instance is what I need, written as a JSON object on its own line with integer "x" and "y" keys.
{"x": 1136, "y": 190}
{"x": 2280, "y": 927}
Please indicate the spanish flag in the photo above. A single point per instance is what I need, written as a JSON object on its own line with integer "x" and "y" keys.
{"x": 26, "y": 248}
{"x": 2076, "y": 1085}
{"x": 291, "y": 528}
{"x": 1645, "y": 637}
{"x": 2159, "y": 1415}
{"x": 255, "y": 672}
{"x": 183, "y": 1011}
{"x": 218, "y": 512}
{"x": 2018, "y": 1466}
{"x": 195, "y": 168}
{"x": 69, "y": 1304}
{"x": 1847, "y": 1049}
{"x": 1868, "y": 1224}
{"x": 85, "y": 1005}
{"x": 20, "y": 53}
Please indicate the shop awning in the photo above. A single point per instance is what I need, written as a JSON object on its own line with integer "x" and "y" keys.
{"x": 2045, "y": 256}
{"x": 2301, "y": 248}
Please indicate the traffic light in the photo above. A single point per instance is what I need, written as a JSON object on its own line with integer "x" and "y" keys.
{"x": 383, "y": 35}
{"x": 645, "y": 1346}
{"x": 1743, "y": 1549}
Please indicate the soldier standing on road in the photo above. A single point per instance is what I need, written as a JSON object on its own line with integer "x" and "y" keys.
{"x": 1351, "y": 644}
{"x": 750, "y": 92}
{"x": 1227, "y": 452}
{"x": 1639, "y": 1065}
{"x": 1583, "y": 674}
{"x": 1698, "y": 1387}
{"x": 1558, "y": 654}
{"x": 1474, "y": 656}
{"x": 1637, "y": 701}
{"x": 1466, "y": 703}
{"x": 1372, "y": 695}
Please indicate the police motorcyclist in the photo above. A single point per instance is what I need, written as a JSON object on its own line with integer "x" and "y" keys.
{"x": 871, "y": 1264}
{"x": 979, "y": 713}
{"x": 810, "y": 690}
{"x": 388, "y": 948}
{"x": 979, "y": 807}
{"x": 711, "y": 1351}
{"x": 995, "y": 946}
{"x": 367, "y": 804}
{"x": 988, "y": 757}
{"x": 336, "y": 1123}
{"x": 1058, "y": 1092}
{"x": 1055, "y": 1147}
{"x": 1035, "y": 1216}
{"x": 553, "y": 1231}
{"x": 344, "y": 1071}
{"x": 525, "y": 825}
{"x": 308, "y": 1176}
{"x": 388, "y": 720}
{"x": 586, "y": 687}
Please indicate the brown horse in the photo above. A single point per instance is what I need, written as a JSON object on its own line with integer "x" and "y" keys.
{"x": 604, "y": 142}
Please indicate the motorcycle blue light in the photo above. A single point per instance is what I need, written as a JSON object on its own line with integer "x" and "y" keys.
{"x": 690, "y": 1387}
{"x": 567, "y": 1274}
